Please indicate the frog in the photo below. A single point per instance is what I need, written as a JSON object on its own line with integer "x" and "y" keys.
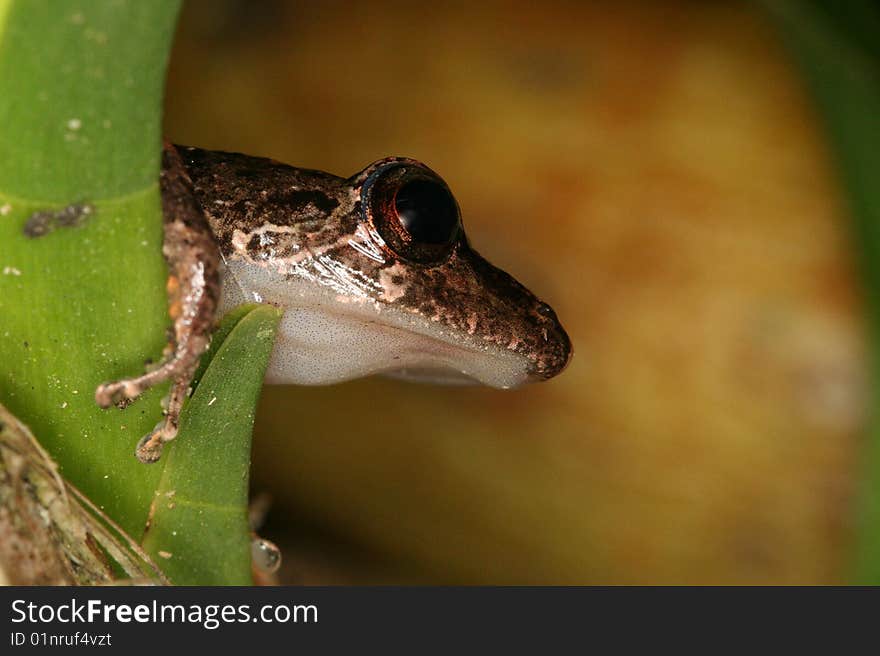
{"x": 374, "y": 274}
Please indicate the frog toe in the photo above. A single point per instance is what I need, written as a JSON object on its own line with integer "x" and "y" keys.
{"x": 120, "y": 393}
{"x": 149, "y": 448}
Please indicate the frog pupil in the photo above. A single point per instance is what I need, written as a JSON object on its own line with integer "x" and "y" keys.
{"x": 427, "y": 211}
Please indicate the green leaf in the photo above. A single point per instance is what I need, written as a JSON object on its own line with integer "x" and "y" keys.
{"x": 836, "y": 45}
{"x": 80, "y": 106}
{"x": 204, "y": 488}
{"x": 81, "y": 85}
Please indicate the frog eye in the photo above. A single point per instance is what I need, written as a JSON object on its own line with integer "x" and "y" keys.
{"x": 413, "y": 210}
{"x": 427, "y": 211}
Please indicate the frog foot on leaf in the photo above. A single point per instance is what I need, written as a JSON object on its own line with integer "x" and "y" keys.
{"x": 193, "y": 294}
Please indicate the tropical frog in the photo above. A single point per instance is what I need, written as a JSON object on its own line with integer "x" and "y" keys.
{"x": 374, "y": 274}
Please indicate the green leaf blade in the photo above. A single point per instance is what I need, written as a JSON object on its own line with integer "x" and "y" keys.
{"x": 81, "y": 86}
{"x": 82, "y": 81}
{"x": 62, "y": 333}
{"x": 204, "y": 488}
{"x": 83, "y": 304}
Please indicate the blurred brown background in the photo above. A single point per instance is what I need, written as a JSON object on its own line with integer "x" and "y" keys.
{"x": 656, "y": 171}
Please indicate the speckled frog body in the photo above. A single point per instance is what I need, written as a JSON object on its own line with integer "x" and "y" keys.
{"x": 374, "y": 273}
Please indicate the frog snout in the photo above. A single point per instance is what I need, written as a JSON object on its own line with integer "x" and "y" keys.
{"x": 554, "y": 350}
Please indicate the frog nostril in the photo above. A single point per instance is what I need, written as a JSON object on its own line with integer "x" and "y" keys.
{"x": 544, "y": 310}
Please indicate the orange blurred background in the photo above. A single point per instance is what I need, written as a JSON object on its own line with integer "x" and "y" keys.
{"x": 655, "y": 171}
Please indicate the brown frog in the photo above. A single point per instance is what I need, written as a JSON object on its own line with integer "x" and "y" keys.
{"x": 374, "y": 273}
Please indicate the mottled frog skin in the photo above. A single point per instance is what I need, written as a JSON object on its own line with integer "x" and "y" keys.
{"x": 374, "y": 273}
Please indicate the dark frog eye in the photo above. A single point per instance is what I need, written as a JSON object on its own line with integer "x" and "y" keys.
{"x": 427, "y": 211}
{"x": 413, "y": 210}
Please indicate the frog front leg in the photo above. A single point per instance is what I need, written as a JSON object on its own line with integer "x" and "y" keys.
{"x": 193, "y": 295}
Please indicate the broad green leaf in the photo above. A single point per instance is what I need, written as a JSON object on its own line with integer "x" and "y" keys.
{"x": 198, "y": 529}
{"x": 81, "y": 85}
{"x": 80, "y": 107}
{"x": 836, "y": 45}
